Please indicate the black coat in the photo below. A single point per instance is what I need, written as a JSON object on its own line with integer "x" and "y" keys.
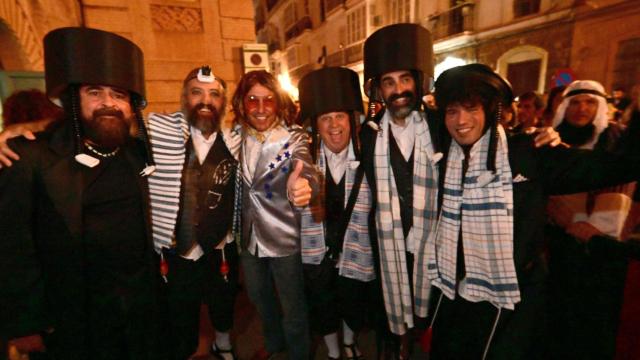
{"x": 537, "y": 173}
{"x": 42, "y": 259}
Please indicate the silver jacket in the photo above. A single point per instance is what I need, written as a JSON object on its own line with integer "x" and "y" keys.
{"x": 266, "y": 210}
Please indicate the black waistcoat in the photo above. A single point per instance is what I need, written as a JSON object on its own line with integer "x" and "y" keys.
{"x": 206, "y": 198}
{"x": 403, "y": 174}
{"x": 334, "y": 207}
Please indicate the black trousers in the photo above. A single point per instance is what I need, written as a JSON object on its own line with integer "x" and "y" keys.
{"x": 121, "y": 323}
{"x": 331, "y": 298}
{"x": 191, "y": 283}
{"x": 587, "y": 288}
{"x": 464, "y": 330}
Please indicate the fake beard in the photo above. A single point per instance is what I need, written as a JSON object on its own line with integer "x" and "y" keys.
{"x": 206, "y": 123}
{"x": 108, "y": 128}
{"x": 401, "y": 111}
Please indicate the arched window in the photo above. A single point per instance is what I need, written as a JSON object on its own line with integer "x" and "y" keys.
{"x": 525, "y": 67}
{"x": 626, "y": 71}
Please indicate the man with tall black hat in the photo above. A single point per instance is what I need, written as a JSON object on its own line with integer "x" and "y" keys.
{"x": 486, "y": 259}
{"x": 192, "y": 193}
{"x": 79, "y": 276}
{"x": 336, "y": 244}
{"x": 400, "y": 161}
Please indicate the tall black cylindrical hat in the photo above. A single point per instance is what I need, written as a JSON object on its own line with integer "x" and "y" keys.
{"x": 88, "y": 56}
{"x": 329, "y": 89}
{"x": 398, "y": 47}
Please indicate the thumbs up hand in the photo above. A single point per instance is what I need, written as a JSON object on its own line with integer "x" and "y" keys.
{"x": 298, "y": 189}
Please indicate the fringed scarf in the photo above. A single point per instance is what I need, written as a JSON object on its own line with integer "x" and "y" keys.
{"x": 356, "y": 261}
{"x": 480, "y": 204}
{"x": 393, "y": 265}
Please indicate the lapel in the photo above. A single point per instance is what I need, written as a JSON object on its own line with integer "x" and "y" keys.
{"x": 272, "y": 153}
{"x": 63, "y": 179}
{"x": 133, "y": 154}
{"x": 350, "y": 172}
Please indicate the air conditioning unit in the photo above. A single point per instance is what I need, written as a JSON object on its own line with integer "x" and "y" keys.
{"x": 256, "y": 57}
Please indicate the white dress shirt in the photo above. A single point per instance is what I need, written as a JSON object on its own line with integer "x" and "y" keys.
{"x": 337, "y": 163}
{"x": 405, "y": 136}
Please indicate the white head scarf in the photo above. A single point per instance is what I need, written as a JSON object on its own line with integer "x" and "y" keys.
{"x": 593, "y": 89}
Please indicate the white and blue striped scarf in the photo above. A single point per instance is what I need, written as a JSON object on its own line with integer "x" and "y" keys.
{"x": 168, "y": 134}
{"x": 481, "y": 207}
{"x": 393, "y": 265}
{"x": 356, "y": 261}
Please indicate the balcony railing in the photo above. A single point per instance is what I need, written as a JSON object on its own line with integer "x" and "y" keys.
{"x": 458, "y": 19}
{"x": 296, "y": 29}
{"x": 329, "y": 5}
{"x": 346, "y": 56}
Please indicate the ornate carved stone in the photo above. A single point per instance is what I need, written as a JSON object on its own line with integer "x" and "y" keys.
{"x": 176, "y": 18}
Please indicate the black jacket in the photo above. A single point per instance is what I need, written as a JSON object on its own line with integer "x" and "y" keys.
{"x": 42, "y": 258}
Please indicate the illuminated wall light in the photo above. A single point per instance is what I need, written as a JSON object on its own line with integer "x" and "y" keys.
{"x": 285, "y": 83}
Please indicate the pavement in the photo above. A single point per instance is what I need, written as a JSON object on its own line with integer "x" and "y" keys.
{"x": 247, "y": 336}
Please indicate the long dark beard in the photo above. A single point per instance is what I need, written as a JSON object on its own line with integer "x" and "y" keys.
{"x": 106, "y": 132}
{"x": 575, "y": 136}
{"x": 404, "y": 110}
{"x": 206, "y": 124}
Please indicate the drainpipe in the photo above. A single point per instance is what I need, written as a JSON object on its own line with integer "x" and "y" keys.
{"x": 82, "y": 22}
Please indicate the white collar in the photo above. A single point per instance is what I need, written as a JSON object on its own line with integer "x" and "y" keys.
{"x": 201, "y": 144}
{"x": 405, "y": 135}
{"x": 336, "y": 163}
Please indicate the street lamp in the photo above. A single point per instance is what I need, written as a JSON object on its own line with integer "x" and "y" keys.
{"x": 286, "y": 85}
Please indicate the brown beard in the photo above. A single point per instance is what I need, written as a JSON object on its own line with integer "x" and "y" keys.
{"x": 401, "y": 111}
{"x": 107, "y": 128}
{"x": 206, "y": 124}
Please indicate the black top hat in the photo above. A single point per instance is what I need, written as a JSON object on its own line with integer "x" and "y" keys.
{"x": 329, "y": 89}
{"x": 467, "y": 77}
{"x": 398, "y": 47}
{"x": 89, "y": 56}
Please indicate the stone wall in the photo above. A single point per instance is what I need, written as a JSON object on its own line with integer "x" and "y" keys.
{"x": 597, "y": 38}
{"x": 555, "y": 39}
{"x": 175, "y": 36}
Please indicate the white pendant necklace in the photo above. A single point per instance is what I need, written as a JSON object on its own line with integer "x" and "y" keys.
{"x": 90, "y": 161}
{"x": 101, "y": 154}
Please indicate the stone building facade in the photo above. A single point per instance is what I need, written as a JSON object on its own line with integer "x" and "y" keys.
{"x": 536, "y": 44}
{"x": 175, "y": 36}
{"x": 606, "y": 43}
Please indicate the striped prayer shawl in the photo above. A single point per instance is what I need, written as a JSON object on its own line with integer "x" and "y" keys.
{"x": 393, "y": 266}
{"x": 356, "y": 261}
{"x": 481, "y": 207}
{"x": 168, "y": 134}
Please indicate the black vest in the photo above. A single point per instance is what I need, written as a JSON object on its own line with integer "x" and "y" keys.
{"x": 403, "y": 174}
{"x": 334, "y": 208}
{"x": 206, "y": 198}
{"x": 114, "y": 231}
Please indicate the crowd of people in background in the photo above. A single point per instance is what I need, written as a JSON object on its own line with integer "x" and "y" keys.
{"x": 462, "y": 222}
